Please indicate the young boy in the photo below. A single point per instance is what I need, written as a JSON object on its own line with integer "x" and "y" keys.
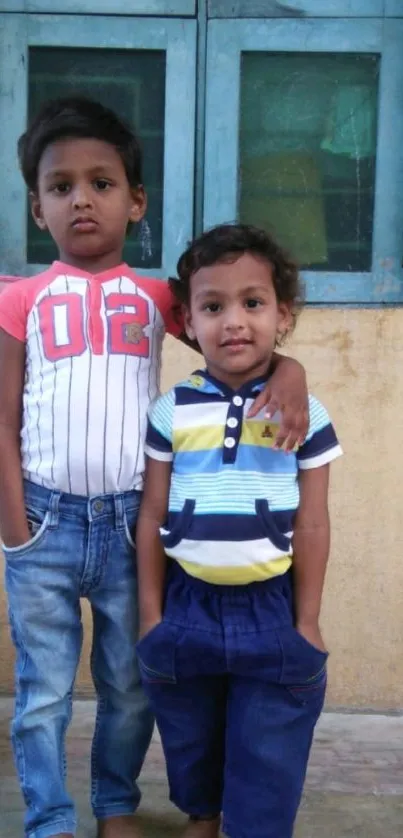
{"x": 80, "y": 348}
{"x": 231, "y": 653}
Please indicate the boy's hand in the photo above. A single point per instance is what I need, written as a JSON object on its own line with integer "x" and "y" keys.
{"x": 287, "y": 392}
{"x": 312, "y": 633}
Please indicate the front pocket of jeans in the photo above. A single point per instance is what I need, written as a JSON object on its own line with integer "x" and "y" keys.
{"x": 171, "y": 536}
{"x": 269, "y": 526}
{"x": 40, "y": 528}
{"x": 302, "y": 663}
{"x": 156, "y": 654}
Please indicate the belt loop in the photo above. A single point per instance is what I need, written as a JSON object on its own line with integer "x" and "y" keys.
{"x": 54, "y": 509}
{"x": 119, "y": 511}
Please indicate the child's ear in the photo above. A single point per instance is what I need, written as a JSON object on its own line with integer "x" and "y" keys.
{"x": 284, "y": 319}
{"x": 139, "y": 204}
{"x": 187, "y": 317}
{"x": 36, "y": 211}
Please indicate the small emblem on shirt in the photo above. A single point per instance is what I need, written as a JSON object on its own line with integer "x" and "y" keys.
{"x": 267, "y": 432}
{"x": 197, "y": 380}
{"x": 134, "y": 332}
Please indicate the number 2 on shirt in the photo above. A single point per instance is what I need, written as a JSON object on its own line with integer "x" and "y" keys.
{"x": 70, "y": 324}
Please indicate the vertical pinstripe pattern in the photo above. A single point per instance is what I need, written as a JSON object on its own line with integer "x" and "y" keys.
{"x": 84, "y": 414}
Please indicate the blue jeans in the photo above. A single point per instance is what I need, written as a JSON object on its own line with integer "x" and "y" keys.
{"x": 236, "y": 692}
{"x": 80, "y": 547}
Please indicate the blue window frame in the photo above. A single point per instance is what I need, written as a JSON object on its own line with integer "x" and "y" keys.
{"x": 363, "y": 265}
{"x": 117, "y": 39}
{"x": 107, "y": 7}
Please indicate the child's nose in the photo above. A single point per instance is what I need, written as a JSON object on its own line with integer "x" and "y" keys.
{"x": 235, "y": 317}
{"x": 81, "y": 196}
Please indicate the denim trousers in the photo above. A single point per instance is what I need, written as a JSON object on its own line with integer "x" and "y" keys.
{"x": 236, "y": 692}
{"x": 80, "y": 547}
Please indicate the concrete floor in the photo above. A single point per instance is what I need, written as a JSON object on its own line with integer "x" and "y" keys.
{"x": 354, "y": 787}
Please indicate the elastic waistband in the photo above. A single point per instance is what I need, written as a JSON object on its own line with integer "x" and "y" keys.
{"x": 283, "y": 583}
{"x": 80, "y": 506}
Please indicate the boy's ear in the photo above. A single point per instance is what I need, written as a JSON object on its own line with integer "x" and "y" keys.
{"x": 139, "y": 204}
{"x": 187, "y": 318}
{"x": 36, "y": 211}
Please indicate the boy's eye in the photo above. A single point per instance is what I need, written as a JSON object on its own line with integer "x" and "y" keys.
{"x": 61, "y": 188}
{"x": 253, "y": 303}
{"x": 102, "y": 184}
{"x": 212, "y": 307}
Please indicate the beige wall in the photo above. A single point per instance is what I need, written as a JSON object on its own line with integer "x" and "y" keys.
{"x": 354, "y": 359}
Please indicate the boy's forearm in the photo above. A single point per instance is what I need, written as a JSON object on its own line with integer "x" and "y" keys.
{"x": 151, "y": 569}
{"x": 13, "y": 520}
{"x": 311, "y": 551}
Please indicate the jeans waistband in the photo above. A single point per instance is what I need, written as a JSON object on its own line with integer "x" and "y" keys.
{"x": 92, "y": 508}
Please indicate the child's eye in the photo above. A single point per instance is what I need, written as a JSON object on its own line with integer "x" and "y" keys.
{"x": 253, "y": 303}
{"x": 101, "y": 184}
{"x": 213, "y": 308}
{"x": 60, "y": 188}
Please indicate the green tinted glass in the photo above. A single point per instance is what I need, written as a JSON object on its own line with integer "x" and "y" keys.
{"x": 308, "y": 128}
{"x": 132, "y": 84}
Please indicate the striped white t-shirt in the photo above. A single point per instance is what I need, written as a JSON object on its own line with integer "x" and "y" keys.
{"x": 93, "y": 352}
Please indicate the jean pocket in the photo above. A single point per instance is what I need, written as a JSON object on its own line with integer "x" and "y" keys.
{"x": 173, "y": 534}
{"x": 304, "y": 667}
{"x": 156, "y": 654}
{"x": 38, "y": 523}
{"x": 129, "y": 523}
{"x": 269, "y": 526}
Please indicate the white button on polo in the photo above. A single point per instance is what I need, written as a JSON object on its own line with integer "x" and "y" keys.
{"x": 232, "y": 422}
{"x": 229, "y": 442}
{"x": 238, "y": 401}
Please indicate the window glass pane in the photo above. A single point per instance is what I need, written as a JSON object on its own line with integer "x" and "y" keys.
{"x": 133, "y": 84}
{"x": 307, "y": 154}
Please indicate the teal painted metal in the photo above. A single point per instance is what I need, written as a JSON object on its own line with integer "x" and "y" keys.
{"x": 13, "y": 114}
{"x": 394, "y": 8}
{"x": 178, "y": 38}
{"x": 180, "y": 8}
{"x": 200, "y": 116}
{"x": 226, "y": 41}
{"x": 296, "y": 8}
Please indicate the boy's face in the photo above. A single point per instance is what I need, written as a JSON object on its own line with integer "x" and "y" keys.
{"x": 85, "y": 201}
{"x": 235, "y": 317}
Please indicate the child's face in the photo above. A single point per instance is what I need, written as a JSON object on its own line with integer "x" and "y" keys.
{"x": 85, "y": 201}
{"x": 235, "y": 317}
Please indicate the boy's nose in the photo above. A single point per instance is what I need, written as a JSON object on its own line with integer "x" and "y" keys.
{"x": 81, "y": 197}
{"x": 235, "y": 319}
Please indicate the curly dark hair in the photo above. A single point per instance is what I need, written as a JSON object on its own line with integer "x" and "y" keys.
{"x": 77, "y": 117}
{"x": 226, "y": 243}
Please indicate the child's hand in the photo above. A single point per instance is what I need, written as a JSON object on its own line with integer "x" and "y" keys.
{"x": 148, "y": 625}
{"x": 287, "y": 392}
{"x": 312, "y": 633}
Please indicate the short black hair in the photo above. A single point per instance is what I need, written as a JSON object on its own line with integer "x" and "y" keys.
{"x": 77, "y": 117}
{"x": 226, "y": 243}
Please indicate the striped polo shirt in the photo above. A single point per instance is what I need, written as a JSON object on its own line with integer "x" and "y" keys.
{"x": 233, "y": 497}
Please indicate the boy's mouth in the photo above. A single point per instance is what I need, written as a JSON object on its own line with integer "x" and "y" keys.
{"x": 236, "y": 342}
{"x": 84, "y": 224}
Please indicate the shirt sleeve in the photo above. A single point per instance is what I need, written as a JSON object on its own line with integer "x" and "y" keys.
{"x": 13, "y": 310}
{"x": 321, "y": 445}
{"x": 159, "y": 428}
{"x": 172, "y": 313}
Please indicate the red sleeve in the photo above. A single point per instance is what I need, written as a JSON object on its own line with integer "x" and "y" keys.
{"x": 168, "y": 306}
{"x": 172, "y": 313}
{"x": 13, "y": 309}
